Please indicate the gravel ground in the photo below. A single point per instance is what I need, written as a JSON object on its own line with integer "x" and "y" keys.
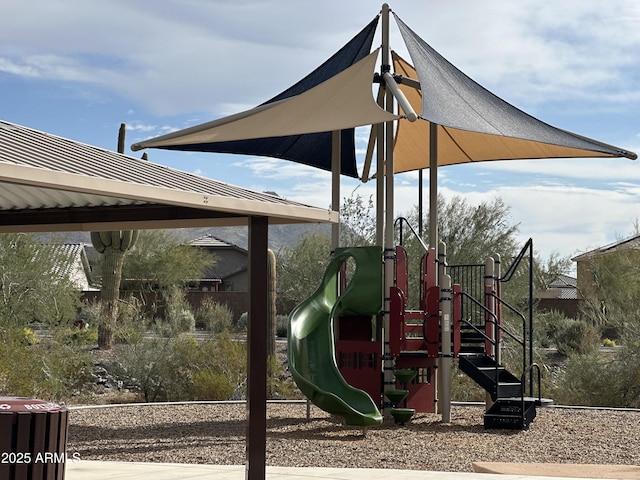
{"x": 215, "y": 434}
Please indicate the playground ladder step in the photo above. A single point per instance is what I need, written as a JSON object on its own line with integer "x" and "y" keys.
{"x": 494, "y": 378}
{"x": 509, "y": 414}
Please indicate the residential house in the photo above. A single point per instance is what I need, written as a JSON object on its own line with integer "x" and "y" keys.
{"x": 229, "y": 271}
{"x": 227, "y": 280}
{"x": 77, "y": 269}
{"x": 560, "y": 295}
{"x": 584, "y": 261}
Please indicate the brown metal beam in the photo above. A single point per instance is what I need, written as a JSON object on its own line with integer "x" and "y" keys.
{"x": 113, "y": 213}
{"x": 257, "y": 350}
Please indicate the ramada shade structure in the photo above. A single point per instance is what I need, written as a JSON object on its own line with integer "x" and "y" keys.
{"x": 49, "y": 183}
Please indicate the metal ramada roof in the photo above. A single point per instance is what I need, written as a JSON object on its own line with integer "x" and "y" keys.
{"x": 60, "y": 184}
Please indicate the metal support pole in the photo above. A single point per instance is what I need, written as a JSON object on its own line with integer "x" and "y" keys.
{"x": 389, "y": 247}
{"x": 433, "y": 216}
{"x": 446, "y": 309}
{"x": 433, "y": 186}
{"x": 336, "y": 161}
{"x": 489, "y": 303}
{"x": 257, "y": 350}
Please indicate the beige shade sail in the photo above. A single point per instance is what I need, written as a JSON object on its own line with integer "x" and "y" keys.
{"x": 344, "y": 101}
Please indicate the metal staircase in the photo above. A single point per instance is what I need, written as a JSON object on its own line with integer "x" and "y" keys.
{"x": 477, "y": 330}
{"x": 510, "y": 408}
{"x": 481, "y": 335}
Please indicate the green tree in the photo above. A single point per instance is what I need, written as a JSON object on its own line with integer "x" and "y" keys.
{"x": 473, "y": 232}
{"x": 357, "y": 221}
{"x": 300, "y": 268}
{"x": 33, "y": 283}
{"x": 161, "y": 260}
{"x": 161, "y": 267}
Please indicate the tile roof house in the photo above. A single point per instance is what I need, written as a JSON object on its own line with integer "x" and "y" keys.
{"x": 229, "y": 271}
{"x": 77, "y": 269}
{"x": 560, "y": 295}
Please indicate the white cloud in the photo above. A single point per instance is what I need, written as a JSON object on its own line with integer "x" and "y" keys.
{"x": 177, "y": 57}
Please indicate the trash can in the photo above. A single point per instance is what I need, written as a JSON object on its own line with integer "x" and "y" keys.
{"x": 33, "y": 436}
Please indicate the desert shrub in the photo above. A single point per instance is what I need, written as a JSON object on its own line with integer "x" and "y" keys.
{"x": 222, "y": 355}
{"x": 600, "y": 379}
{"x": 211, "y": 385}
{"x": 66, "y": 371}
{"x": 181, "y": 368}
{"x": 149, "y": 365}
{"x": 50, "y": 369}
{"x": 242, "y": 323}
{"x": 575, "y": 337}
{"x": 76, "y": 336}
{"x": 17, "y": 364}
{"x": 179, "y": 317}
{"x": 214, "y": 317}
{"x": 545, "y": 326}
{"x": 282, "y": 323}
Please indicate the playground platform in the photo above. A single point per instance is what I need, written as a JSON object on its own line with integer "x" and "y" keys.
{"x": 97, "y": 470}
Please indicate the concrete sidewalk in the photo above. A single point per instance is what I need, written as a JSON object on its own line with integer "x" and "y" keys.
{"x": 94, "y": 470}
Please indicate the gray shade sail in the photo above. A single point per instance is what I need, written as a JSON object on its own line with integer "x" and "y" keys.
{"x": 474, "y": 124}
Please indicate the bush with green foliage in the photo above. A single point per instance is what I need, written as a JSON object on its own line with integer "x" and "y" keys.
{"x": 575, "y": 337}
{"x": 175, "y": 368}
{"x": 178, "y": 315}
{"x": 32, "y": 289}
{"x": 213, "y": 316}
{"x": 53, "y": 368}
{"x": 282, "y": 325}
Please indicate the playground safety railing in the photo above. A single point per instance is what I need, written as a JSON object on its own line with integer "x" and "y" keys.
{"x": 523, "y": 342}
{"x": 398, "y": 223}
{"x": 529, "y": 371}
{"x": 501, "y": 328}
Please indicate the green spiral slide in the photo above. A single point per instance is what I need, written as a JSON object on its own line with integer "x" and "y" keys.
{"x": 311, "y": 351}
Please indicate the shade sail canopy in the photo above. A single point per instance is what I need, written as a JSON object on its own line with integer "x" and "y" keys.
{"x": 49, "y": 183}
{"x": 473, "y": 124}
{"x": 297, "y": 124}
{"x": 339, "y": 103}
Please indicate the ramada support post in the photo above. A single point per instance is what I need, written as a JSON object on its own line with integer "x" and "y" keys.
{"x": 257, "y": 350}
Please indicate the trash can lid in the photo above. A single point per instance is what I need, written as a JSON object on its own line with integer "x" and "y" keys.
{"x": 18, "y": 404}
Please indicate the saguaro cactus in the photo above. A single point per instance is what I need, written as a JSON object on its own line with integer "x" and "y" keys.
{"x": 271, "y": 298}
{"x": 112, "y": 245}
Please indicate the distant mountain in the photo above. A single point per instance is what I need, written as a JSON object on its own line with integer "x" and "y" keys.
{"x": 279, "y": 235}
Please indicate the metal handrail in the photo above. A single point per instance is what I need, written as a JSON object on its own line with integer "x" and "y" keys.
{"x": 400, "y": 221}
{"x": 494, "y": 342}
{"x": 523, "y": 342}
{"x": 522, "y": 381}
{"x": 528, "y": 248}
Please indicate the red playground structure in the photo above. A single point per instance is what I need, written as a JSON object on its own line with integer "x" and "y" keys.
{"x": 466, "y": 319}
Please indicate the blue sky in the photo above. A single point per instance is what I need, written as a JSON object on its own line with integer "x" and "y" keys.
{"x": 78, "y": 69}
